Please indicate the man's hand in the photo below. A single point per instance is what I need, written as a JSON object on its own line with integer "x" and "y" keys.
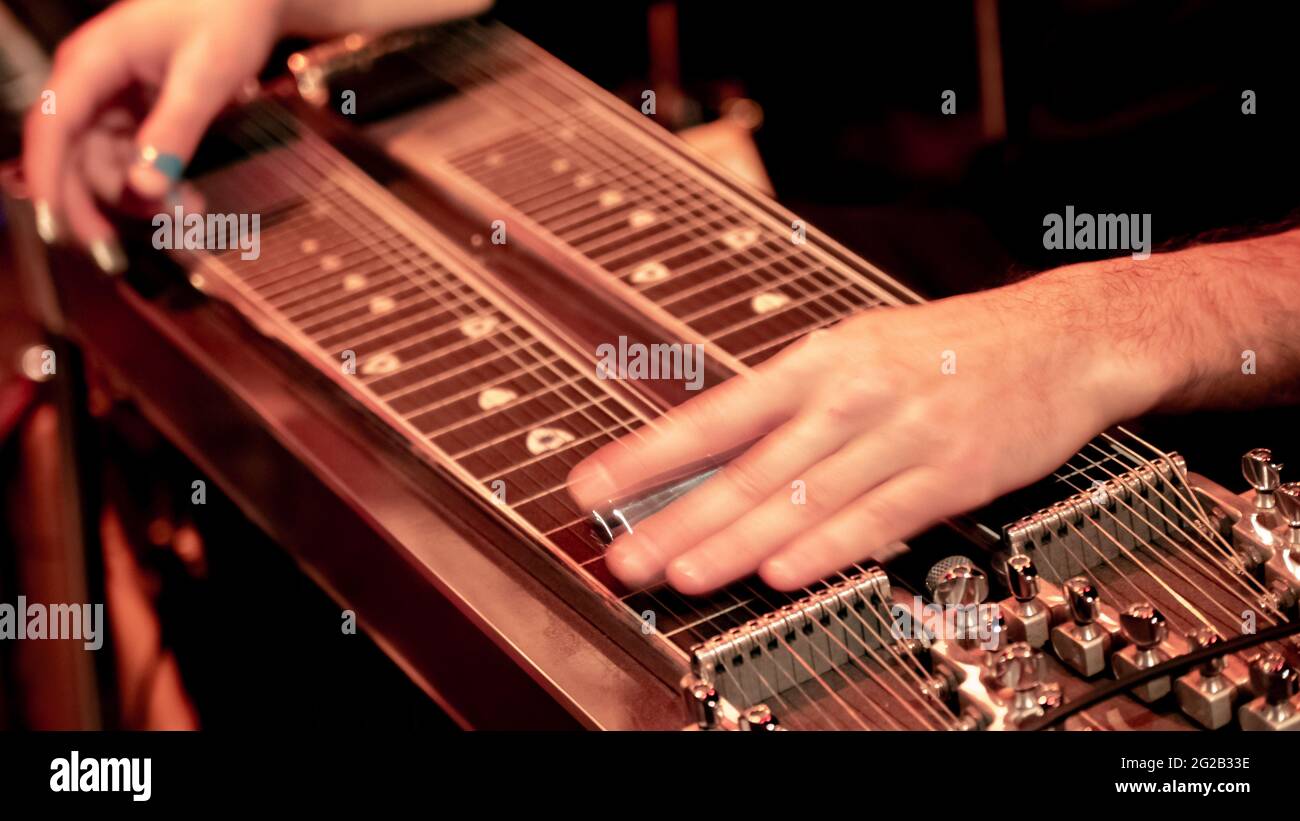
{"x": 897, "y": 418}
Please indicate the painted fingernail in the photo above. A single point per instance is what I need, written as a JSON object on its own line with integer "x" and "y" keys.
{"x": 108, "y": 255}
{"x": 47, "y": 225}
{"x": 155, "y": 173}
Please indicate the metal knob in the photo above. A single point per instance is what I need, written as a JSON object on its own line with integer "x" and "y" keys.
{"x": 1022, "y": 577}
{"x": 957, "y": 581}
{"x": 997, "y": 629}
{"x": 1205, "y": 638}
{"x": 759, "y": 718}
{"x": 1083, "y": 599}
{"x": 1144, "y": 625}
{"x": 1019, "y": 667}
{"x": 1259, "y": 469}
{"x": 1273, "y": 677}
{"x": 702, "y": 703}
{"x": 1288, "y": 503}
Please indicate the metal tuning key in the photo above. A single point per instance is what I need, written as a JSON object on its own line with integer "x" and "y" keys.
{"x": 1084, "y": 644}
{"x": 1263, "y": 474}
{"x": 1287, "y": 498}
{"x": 1206, "y": 694}
{"x": 759, "y": 718}
{"x": 1146, "y": 629}
{"x": 1275, "y": 709}
{"x": 703, "y": 704}
{"x": 1028, "y": 618}
{"x": 1019, "y": 668}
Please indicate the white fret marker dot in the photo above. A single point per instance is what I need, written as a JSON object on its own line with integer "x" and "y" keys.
{"x": 610, "y": 198}
{"x": 493, "y": 160}
{"x": 331, "y": 262}
{"x": 354, "y": 282}
{"x": 560, "y": 165}
{"x": 768, "y": 302}
{"x": 478, "y": 326}
{"x": 740, "y": 237}
{"x": 542, "y": 440}
{"x": 382, "y": 304}
{"x": 496, "y": 397}
{"x": 650, "y": 272}
{"x": 309, "y": 246}
{"x": 641, "y": 218}
{"x": 584, "y": 181}
{"x": 380, "y": 363}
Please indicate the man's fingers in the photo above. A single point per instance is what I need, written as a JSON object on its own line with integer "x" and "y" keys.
{"x": 747, "y": 480}
{"x": 822, "y": 491}
{"x": 900, "y": 507}
{"x": 721, "y": 419}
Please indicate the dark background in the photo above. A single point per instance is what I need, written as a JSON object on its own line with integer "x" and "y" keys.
{"x": 1112, "y": 106}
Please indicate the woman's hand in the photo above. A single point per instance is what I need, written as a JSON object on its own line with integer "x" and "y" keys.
{"x": 892, "y": 420}
{"x": 185, "y": 61}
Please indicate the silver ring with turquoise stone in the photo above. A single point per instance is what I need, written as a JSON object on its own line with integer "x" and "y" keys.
{"x": 169, "y": 165}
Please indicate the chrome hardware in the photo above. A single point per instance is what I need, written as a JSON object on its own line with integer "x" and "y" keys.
{"x": 1262, "y": 473}
{"x": 1084, "y": 645}
{"x": 702, "y": 703}
{"x": 1275, "y": 709}
{"x": 1019, "y": 668}
{"x": 1146, "y": 629}
{"x": 789, "y": 646}
{"x": 1206, "y": 694}
{"x": 1028, "y": 618}
{"x": 619, "y": 516}
{"x": 758, "y": 718}
{"x": 1287, "y": 498}
{"x": 957, "y": 580}
{"x": 1089, "y": 527}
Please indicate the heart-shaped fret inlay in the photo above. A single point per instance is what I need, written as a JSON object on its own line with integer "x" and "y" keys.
{"x": 768, "y": 302}
{"x": 496, "y": 397}
{"x": 542, "y": 440}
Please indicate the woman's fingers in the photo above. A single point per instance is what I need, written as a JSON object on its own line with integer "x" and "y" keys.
{"x": 85, "y": 76}
{"x": 89, "y": 227}
{"x": 641, "y": 556}
{"x": 193, "y": 93}
{"x": 822, "y": 491}
{"x": 900, "y": 507}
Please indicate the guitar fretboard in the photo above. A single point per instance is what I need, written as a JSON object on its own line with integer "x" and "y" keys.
{"x": 726, "y": 273}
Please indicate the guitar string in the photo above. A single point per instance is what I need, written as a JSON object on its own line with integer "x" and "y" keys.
{"x": 658, "y": 185}
{"x": 854, "y": 656}
{"x": 1158, "y": 556}
{"x": 1228, "y": 578}
{"x": 835, "y": 696}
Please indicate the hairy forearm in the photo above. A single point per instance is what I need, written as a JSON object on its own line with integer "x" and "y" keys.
{"x": 324, "y": 18}
{"x": 1214, "y": 325}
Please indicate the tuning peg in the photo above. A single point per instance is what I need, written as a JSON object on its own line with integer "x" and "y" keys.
{"x": 956, "y": 580}
{"x": 1019, "y": 667}
{"x": 759, "y": 718}
{"x": 1263, "y": 474}
{"x": 1084, "y": 645}
{"x": 1203, "y": 639}
{"x": 1274, "y": 678}
{"x": 1144, "y": 626}
{"x": 1288, "y": 504}
{"x": 702, "y": 703}
{"x": 1022, "y": 577}
{"x": 1083, "y": 599}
